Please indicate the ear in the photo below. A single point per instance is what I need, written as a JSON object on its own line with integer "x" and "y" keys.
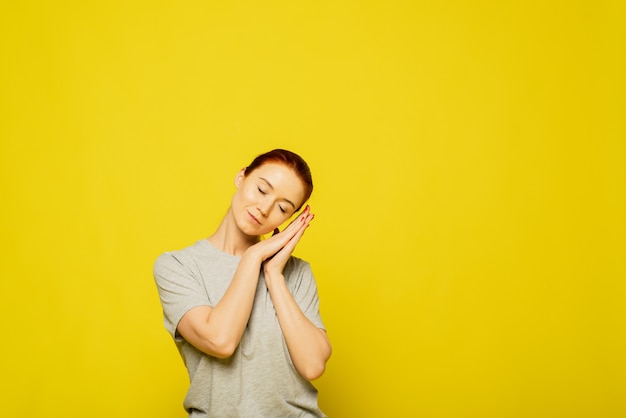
{"x": 239, "y": 177}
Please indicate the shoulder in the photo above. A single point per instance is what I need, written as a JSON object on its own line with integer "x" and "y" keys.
{"x": 298, "y": 269}
{"x": 300, "y": 280}
{"x": 297, "y": 264}
{"x": 177, "y": 260}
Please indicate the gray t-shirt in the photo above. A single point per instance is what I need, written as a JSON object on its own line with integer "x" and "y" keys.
{"x": 259, "y": 379}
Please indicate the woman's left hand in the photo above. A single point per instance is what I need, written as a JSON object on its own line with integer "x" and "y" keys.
{"x": 308, "y": 345}
{"x": 275, "y": 265}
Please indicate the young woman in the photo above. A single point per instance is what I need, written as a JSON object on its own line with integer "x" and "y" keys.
{"x": 243, "y": 311}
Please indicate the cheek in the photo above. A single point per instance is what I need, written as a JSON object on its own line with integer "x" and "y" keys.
{"x": 277, "y": 219}
{"x": 244, "y": 196}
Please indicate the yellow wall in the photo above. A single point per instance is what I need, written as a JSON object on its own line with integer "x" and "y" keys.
{"x": 469, "y": 160}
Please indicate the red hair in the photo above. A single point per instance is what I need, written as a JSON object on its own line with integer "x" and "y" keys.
{"x": 289, "y": 159}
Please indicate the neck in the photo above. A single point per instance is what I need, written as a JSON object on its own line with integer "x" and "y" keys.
{"x": 229, "y": 238}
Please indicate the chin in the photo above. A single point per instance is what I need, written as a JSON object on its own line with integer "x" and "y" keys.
{"x": 262, "y": 230}
{"x": 266, "y": 231}
{"x": 249, "y": 229}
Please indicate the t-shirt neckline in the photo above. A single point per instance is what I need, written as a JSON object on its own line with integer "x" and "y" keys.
{"x": 216, "y": 250}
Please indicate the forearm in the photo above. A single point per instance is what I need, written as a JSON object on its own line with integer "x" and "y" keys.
{"x": 308, "y": 345}
{"x": 218, "y": 330}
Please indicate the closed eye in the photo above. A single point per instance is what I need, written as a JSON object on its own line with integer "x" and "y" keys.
{"x": 261, "y": 190}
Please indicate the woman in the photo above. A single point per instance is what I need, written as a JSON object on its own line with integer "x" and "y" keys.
{"x": 244, "y": 312}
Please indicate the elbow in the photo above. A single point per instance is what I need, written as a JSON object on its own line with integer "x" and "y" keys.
{"x": 313, "y": 371}
{"x": 213, "y": 337}
{"x": 220, "y": 348}
{"x": 222, "y": 352}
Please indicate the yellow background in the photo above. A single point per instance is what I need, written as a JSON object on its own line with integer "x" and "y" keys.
{"x": 469, "y": 161}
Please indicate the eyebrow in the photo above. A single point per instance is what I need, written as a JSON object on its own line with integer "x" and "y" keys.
{"x": 272, "y": 187}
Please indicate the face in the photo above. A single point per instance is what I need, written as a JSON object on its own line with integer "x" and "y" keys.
{"x": 266, "y": 197}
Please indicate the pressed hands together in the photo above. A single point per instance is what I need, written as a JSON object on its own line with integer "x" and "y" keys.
{"x": 217, "y": 330}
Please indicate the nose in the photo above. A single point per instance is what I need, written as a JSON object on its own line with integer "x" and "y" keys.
{"x": 263, "y": 207}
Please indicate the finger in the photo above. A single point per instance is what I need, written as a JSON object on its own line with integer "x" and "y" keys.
{"x": 279, "y": 240}
{"x": 306, "y": 215}
{"x": 305, "y": 212}
{"x": 307, "y": 220}
{"x": 291, "y": 244}
{"x": 297, "y": 222}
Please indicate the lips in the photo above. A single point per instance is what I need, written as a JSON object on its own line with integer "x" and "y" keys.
{"x": 254, "y": 218}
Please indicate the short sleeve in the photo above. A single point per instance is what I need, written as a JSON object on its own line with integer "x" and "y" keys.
{"x": 301, "y": 282}
{"x": 180, "y": 288}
